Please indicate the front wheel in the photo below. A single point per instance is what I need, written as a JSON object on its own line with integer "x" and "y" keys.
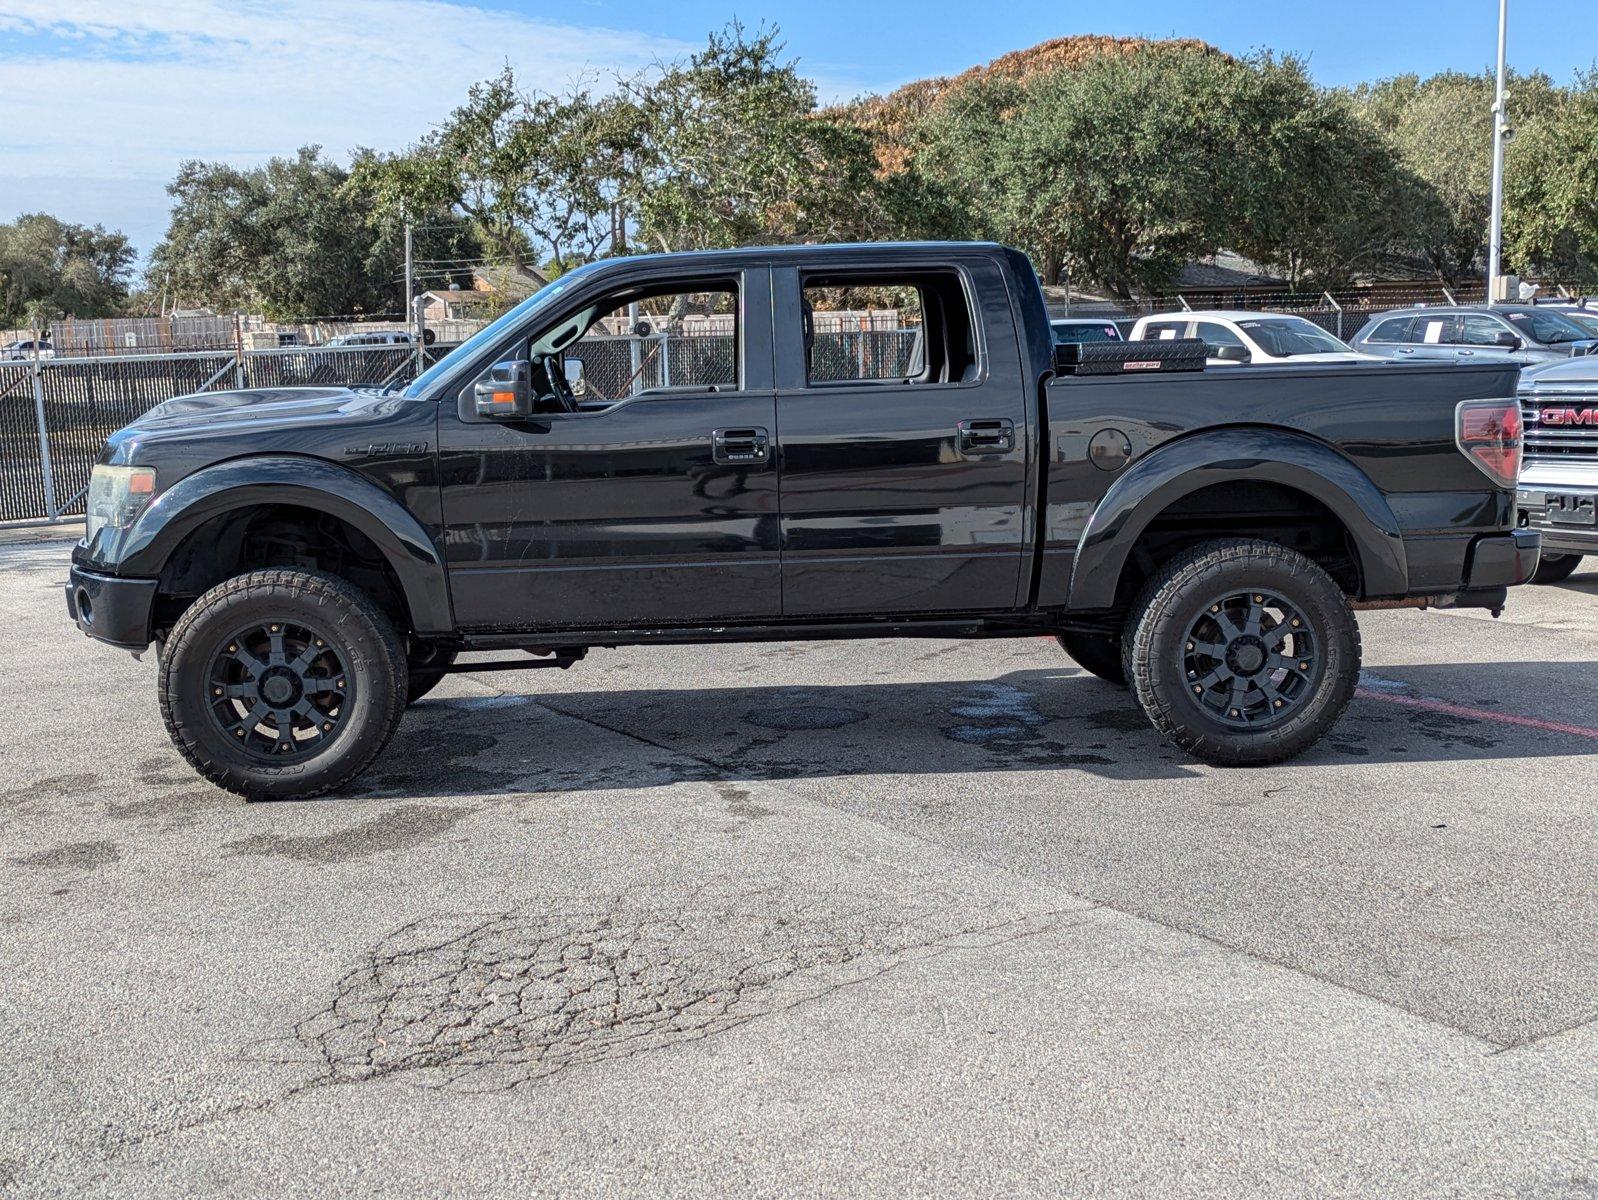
{"x": 1243, "y": 652}
{"x": 1556, "y": 568}
{"x": 282, "y": 684}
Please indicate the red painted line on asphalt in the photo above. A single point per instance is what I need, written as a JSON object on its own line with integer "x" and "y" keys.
{"x": 1478, "y": 714}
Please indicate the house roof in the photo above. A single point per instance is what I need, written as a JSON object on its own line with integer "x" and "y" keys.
{"x": 1225, "y": 269}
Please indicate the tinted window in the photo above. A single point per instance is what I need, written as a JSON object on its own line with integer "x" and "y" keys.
{"x": 1164, "y": 329}
{"x": 1395, "y": 329}
{"x": 1478, "y": 329}
{"x": 1587, "y": 320}
{"x": 914, "y": 327}
{"x": 1086, "y": 331}
{"x": 674, "y": 338}
{"x": 1550, "y": 329}
{"x": 1283, "y": 337}
{"x": 1217, "y": 335}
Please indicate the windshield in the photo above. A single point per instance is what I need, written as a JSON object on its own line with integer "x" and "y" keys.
{"x": 1587, "y": 320}
{"x": 1085, "y": 331}
{"x": 1551, "y": 329}
{"x": 489, "y": 334}
{"x": 1283, "y": 337}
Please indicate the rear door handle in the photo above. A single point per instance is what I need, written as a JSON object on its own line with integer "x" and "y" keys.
{"x": 740, "y": 446}
{"x": 986, "y": 435}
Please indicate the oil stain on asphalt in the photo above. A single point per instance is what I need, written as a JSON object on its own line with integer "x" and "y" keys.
{"x": 399, "y": 829}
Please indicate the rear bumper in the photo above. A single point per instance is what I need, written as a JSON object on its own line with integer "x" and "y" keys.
{"x": 110, "y": 609}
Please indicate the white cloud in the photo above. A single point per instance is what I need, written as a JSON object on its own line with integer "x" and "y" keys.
{"x": 118, "y": 94}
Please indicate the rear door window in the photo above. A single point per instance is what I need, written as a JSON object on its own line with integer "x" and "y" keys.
{"x": 1394, "y": 329}
{"x": 1164, "y": 331}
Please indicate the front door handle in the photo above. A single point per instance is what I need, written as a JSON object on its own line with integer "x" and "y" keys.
{"x": 732, "y": 447}
{"x": 986, "y": 435}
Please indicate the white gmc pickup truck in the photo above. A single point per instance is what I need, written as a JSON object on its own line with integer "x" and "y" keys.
{"x": 1558, "y": 491}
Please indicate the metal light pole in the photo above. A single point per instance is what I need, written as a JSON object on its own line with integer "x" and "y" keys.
{"x": 1495, "y": 241}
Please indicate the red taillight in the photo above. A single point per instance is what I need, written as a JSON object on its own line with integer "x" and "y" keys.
{"x": 1488, "y": 433}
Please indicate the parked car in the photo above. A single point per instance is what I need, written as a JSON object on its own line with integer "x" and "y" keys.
{"x": 1584, "y": 314}
{"x": 26, "y": 349}
{"x": 1523, "y": 333}
{"x": 371, "y": 339}
{"x": 1084, "y": 329}
{"x": 1558, "y": 493}
{"x": 313, "y": 560}
{"x": 1238, "y": 337}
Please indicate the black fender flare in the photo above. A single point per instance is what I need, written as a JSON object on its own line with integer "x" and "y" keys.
{"x": 306, "y": 483}
{"x": 1183, "y": 466}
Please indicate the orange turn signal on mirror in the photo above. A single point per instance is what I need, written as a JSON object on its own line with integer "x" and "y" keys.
{"x": 504, "y": 398}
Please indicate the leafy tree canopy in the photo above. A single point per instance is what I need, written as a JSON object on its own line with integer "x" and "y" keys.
{"x": 50, "y": 268}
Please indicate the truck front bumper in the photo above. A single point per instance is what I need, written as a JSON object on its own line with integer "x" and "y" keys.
{"x": 111, "y": 609}
{"x": 1567, "y": 517}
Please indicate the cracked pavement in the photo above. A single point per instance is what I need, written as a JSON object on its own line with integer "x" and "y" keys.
{"x": 921, "y": 918}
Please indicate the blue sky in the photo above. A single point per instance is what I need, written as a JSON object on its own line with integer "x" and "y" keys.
{"x": 100, "y": 100}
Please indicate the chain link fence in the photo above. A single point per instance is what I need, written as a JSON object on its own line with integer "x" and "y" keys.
{"x": 55, "y": 414}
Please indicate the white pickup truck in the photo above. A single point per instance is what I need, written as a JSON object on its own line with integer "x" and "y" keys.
{"x": 1237, "y": 337}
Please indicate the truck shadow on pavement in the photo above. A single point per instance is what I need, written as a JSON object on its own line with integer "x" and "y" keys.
{"x": 1035, "y": 720}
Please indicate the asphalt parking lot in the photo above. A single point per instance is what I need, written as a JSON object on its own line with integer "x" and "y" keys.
{"x": 882, "y": 918}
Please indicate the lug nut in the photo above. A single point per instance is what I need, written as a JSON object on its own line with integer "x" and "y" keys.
{"x": 1303, "y": 666}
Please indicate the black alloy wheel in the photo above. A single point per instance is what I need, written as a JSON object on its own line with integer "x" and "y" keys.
{"x": 282, "y": 684}
{"x": 1250, "y": 659}
{"x": 280, "y": 689}
{"x": 1242, "y": 652}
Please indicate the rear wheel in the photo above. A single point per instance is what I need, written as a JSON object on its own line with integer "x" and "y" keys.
{"x": 1556, "y": 568}
{"x": 282, "y": 684}
{"x": 1243, "y": 652}
{"x": 1099, "y": 654}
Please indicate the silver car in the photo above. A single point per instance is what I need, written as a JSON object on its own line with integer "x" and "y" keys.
{"x": 1501, "y": 332}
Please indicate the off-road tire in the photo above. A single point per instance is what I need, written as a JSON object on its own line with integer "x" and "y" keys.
{"x": 427, "y": 664}
{"x": 351, "y": 624}
{"x": 1556, "y": 568}
{"x": 1096, "y": 653}
{"x": 1180, "y": 593}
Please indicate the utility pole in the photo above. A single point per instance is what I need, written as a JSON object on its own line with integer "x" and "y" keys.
{"x": 1495, "y": 239}
{"x": 410, "y": 300}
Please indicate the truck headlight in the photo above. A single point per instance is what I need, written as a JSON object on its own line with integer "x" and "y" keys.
{"x": 117, "y": 495}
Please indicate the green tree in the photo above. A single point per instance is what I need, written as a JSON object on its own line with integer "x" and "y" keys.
{"x": 1121, "y": 168}
{"x": 1441, "y": 131}
{"x": 1551, "y": 189}
{"x": 51, "y": 268}
{"x": 730, "y": 150}
{"x": 294, "y": 239}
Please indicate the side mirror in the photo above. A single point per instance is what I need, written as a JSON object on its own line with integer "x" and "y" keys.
{"x": 572, "y": 368}
{"x": 1234, "y": 354}
{"x": 506, "y": 392}
{"x": 1505, "y": 340}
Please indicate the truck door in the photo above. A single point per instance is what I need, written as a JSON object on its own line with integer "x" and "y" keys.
{"x": 656, "y": 501}
{"x": 902, "y": 407}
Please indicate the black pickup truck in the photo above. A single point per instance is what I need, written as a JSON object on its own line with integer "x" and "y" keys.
{"x": 310, "y": 560}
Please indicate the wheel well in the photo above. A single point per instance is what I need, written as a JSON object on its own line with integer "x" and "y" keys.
{"x": 1244, "y": 508}
{"x": 276, "y": 535}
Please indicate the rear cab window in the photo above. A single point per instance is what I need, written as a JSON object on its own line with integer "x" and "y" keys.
{"x": 913, "y": 327}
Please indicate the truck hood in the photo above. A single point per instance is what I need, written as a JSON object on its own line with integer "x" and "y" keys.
{"x": 212, "y": 409}
{"x": 189, "y": 431}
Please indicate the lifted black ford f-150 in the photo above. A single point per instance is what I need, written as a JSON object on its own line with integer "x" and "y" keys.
{"x": 311, "y": 560}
